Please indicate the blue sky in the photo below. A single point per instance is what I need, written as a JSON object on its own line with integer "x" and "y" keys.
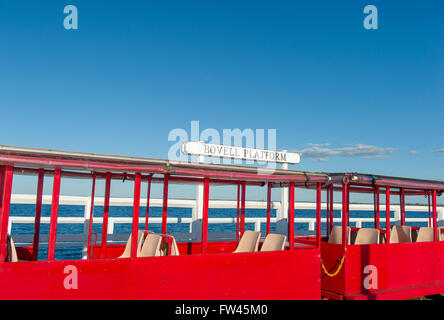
{"x": 134, "y": 71}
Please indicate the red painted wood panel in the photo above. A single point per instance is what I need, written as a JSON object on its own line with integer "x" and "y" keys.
{"x": 413, "y": 267}
{"x": 260, "y": 275}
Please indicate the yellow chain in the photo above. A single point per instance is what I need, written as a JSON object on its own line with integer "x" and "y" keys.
{"x": 331, "y": 275}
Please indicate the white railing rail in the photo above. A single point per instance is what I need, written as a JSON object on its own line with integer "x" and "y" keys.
{"x": 81, "y": 239}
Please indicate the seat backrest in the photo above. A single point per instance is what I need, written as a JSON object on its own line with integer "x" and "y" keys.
{"x": 164, "y": 248}
{"x": 127, "y": 252}
{"x": 425, "y": 234}
{"x": 249, "y": 242}
{"x": 151, "y": 246}
{"x": 11, "y": 250}
{"x": 401, "y": 234}
{"x": 367, "y": 236}
{"x": 274, "y": 242}
{"x": 174, "y": 248}
{"x": 336, "y": 235}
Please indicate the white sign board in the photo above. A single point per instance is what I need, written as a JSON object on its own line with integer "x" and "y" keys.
{"x": 215, "y": 150}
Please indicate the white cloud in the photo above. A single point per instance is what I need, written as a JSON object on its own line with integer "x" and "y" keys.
{"x": 414, "y": 152}
{"x": 321, "y": 152}
{"x": 318, "y": 144}
{"x": 439, "y": 151}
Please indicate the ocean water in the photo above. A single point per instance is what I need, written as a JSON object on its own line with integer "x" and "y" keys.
{"x": 118, "y": 211}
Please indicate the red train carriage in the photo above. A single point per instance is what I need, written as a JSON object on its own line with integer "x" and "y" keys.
{"x": 394, "y": 262}
{"x": 150, "y": 265}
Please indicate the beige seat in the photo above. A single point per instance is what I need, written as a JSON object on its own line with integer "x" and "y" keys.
{"x": 425, "y": 234}
{"x": 274, "y": 242}
{"x": 401, "y": 234}
{"x": 174, "y": 249}
{"x": 151, "y": 246}
{"x": 127, "y": 252}
{"x": 249, "y": 242}
{"x": 336, "y": 235}
{"x": 11, "y": 250}
{"x": 367, "y": 236}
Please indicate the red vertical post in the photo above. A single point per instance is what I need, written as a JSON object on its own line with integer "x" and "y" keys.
{"x": 387, "y": 214}
{"x": 136, "y": 209}
{"x": 105, "y": 214}
{"x": 435, "y": 225}
{"x": 327, "y": 212}
{"x": 377, "y": 213}
{"x": 268, "y": 207}
{"x": 430, "y": 212}
{"x": 206, "y": 200}
{"x": 2, "y": 187}
{"x": 242, "y": 220}
{"x": 38, "y": 214}
{"x": 331, "y": 207}
{"x": 402, "y": 205}
{"x": 237, "y": 220}
{"x": 148, "y": 196}
{"x": 348, "y": 205}
{"x": 7, "y": 175}
{"x": 54, "y": 214}
{"x": 343, "y": 208}
{"x": 344, "y": 214}
{"x": 318, "y": 215}
{"x": 291, "y": 216}
{"x": 165, "y": 203}
{"x": 91, "y": 216}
